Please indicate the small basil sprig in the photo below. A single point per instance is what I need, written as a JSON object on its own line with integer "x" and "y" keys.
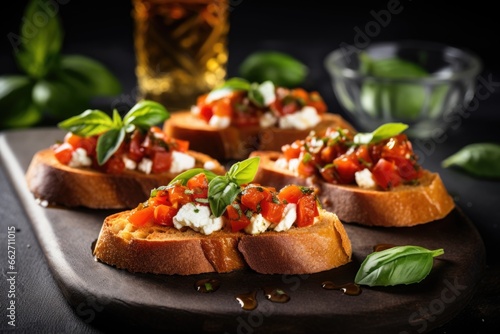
{"x": 478, "y": 159}
{"x": 260, "y": 94}
{"x": 384, "y": 131}
{"x": 396, "y": 265}
{"x": 112, "y": 131}
{"x": 223, "y": 189}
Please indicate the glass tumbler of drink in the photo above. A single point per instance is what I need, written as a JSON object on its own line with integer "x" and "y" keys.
{"x": 181, "y": 49}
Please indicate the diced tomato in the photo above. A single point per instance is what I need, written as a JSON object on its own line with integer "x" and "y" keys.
{"x": 406, "y": 168}
{"x": 329, "y": 173}
{"x": 290, "y": 193}
{"x": 237, "y": 219}
{"x": 292, "y": 151}
{"x": 199, "y": 186}
{"x": 315, "y": 100}
{"x": 271, "y": 211}
{"x": 114, "y": 165}
{"x": 222, "y": 107}
{"x": 363, "y": 155}
{"x": 253, "y": 196}
{"x": 385, "y": 174}
{"x": 63, "y": 153}
{"x": 143, "y": 216}
{"x": 162, "y": 160}
{"x": 179, "y": 195}
{"x": 164, "y": 215}
{"x": 307, "y": 209}
{"x": 159, "y": 199}
{"x": 346, "y": 166}
{"x": 181, "y": 145}
{"x": 136, "y": 151}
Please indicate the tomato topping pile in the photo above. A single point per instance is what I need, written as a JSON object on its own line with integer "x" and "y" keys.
{"x": 152, "y": 144}
{"x": 243, "y": 112}
{"x": 335, "y": 158}
{"x": 165, "y": 202}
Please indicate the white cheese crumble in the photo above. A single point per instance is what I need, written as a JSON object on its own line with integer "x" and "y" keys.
{"x": 219, "y": 122}
{"x": 306, "y": 118}
{"x": 258, "y": 224}
{"x": 289, "y": 217}
{"x": 364, "y": 179}
{"x": 145, "y": 165}
{"x": 268, "y": 92}
{"x": 181, "y": 162}
{"x": 79, "y": 158}
{"x": 210, "y": 165}
{"x": 198, "y": 217}
{"x": 267, "y": 120}
{"x": 129, "y": 163}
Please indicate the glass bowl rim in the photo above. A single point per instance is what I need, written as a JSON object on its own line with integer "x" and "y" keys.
{"x": 474, "y": 68}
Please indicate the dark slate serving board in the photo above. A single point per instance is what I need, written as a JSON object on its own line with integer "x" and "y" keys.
{"x": 117, "y": 299}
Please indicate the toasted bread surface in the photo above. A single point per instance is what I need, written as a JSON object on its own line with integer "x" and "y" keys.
{"x": 404, "y": 205}
{"x": 237, "y": 142}
{"x": 167, "y": 250}
{"x": 59, "y": 184}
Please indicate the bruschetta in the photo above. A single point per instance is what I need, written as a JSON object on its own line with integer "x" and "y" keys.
{"x": 366, "y": 178}
{"x": 201, "y": 222}
{"x": 239, "y": 117}
{"x": 111, "y": 163}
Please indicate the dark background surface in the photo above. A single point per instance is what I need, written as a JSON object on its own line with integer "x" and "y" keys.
{"x": 307, "y": 30}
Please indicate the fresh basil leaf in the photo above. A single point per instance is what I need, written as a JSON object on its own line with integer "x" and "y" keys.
{"x": 98, "y": 80}
{"x": 227, "y": 87}
{"x": 108, "y": 143}
{"x": 186, "y": 175}
{"x": 39, "y": 45}
{"x": 58, "y": 99}
{"x": 244, "y": 171}
{"x": 262, "y": 95}
{"x": 221, "y": 193}
{"x": 385, "y": 131}
{"x": 16, "y": 105}
{"x": 145, "y": 114}
{"x": 89, "y": 123}
{"x": 281, "y": 68}
{"x": 396, "y": 265}
{"x": 478, "y": 159}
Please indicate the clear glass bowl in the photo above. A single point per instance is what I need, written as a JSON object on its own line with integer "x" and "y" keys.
{"x": 422, "y": 84}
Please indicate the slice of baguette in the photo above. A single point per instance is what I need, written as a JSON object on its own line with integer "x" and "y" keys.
{"x": 59, "y": 184}
{"x": 237, "y": 142}
{"x": 405, "y": 205}
{"x": 166, "y": 250}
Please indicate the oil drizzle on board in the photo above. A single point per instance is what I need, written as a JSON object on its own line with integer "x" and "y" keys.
{"x": 351, "y": 289}
{"x": 247, "y": 300}
{"x": 276, "y": 295}
{"x": 207, "y": 285}
{"x": 381, "y": 247}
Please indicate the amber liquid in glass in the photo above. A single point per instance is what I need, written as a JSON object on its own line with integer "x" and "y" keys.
{"x": 181, "y": 49}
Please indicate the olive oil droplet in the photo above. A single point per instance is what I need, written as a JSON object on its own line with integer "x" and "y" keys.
{"x": 276, "y": 295}
{"x": 351, "y": 289}
{"x": 207, "y": 285}
{"x": 248, "y": 301}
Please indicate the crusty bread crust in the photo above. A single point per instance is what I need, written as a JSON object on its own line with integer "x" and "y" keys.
{"x": 59, "y": 184}
{"x": 237, "y": 142}
{"x": 166, "y": 250}
{"x": 405, "y": 205}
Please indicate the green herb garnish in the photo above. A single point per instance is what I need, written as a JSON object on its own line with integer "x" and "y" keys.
{"x": 396, "y": 265}
{"x": 383, "y": 132}
{"x": 112, "y": 131}
{"x": 478, "y": 159}
{"x": 223, "y": 189}
{"x": 51, "y": 85}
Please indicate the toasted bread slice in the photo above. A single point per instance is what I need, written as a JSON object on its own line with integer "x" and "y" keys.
{"x": 60, "y": 184}
{"x": 167, "y": 250}
{"x": 237, "y": 142}
{"x": 404, "y": 205}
